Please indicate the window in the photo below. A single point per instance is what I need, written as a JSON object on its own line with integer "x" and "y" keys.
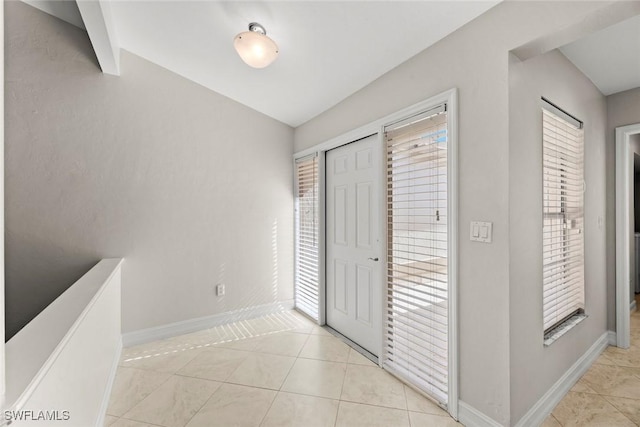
{"x": 563, "y": 217}
{"x": 306, "y": 237}
{"x": 416, "y": 343}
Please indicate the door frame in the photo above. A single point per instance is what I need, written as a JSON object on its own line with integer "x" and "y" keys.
{"x": 623, "y": 204}
{"x": 450, "y": 97}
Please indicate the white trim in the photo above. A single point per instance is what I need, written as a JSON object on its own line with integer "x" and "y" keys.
{"x": 322, "y": 233}
{"x": 543, "y": 407}
{"x": 452, "y": 259}
{"x": 375, "y": 126}
{"x": 382, "y": 232}
{"x": 471, "y": 417}
{"x": 563, "y": 328}
{"x": 633, "y": 306}
{"x": 107, "y": 390}
{"x": 623, "y": 135}
{"x": 449, "y": 97}
{"x": 611, "y": 338}
{"x": 192, "y": 325}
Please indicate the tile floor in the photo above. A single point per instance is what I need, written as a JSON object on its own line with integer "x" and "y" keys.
{"x": 608, "y": 394}
{"x": 280, "y": 370}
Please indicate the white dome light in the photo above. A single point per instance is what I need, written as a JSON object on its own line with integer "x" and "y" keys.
{"x": 255, "y": 48}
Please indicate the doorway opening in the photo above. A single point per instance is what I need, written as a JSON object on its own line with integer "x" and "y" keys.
{"x": 625, "y": 261}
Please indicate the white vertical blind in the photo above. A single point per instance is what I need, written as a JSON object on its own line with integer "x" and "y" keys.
{"x": 563, "y": 216}
{"x": 416, "y": 317}
{"x": 306, "y": 229}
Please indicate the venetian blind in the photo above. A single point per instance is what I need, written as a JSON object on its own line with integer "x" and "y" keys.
{"x": 416, "y": 318}
{"x": 563, "y": 216}
{"x": 306, "y": 229}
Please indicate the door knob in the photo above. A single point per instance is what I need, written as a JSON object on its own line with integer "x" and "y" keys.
{"x": 374, "y": 259}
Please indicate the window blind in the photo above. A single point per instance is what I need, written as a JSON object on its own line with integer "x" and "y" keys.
{"x": 563, "y": 216}
{"x": 416, "y": 317}
{"x": 306, "y": 229}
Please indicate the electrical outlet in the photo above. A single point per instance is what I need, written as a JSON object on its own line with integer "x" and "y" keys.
{"x": 220, "y": 290}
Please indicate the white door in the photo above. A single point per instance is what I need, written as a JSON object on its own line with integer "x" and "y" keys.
{"x": 353, "y": 242}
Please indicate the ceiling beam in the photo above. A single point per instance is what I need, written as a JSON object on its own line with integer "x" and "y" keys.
{"x": 98, "y": 20}
{"x": 608, "y": 15}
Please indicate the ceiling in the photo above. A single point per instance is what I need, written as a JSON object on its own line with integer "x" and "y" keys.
{"x": 328, "y": 49}
{"x": 610, "y": 57}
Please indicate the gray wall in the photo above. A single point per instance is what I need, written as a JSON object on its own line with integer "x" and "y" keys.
{"x": 534, "y": 367}
{"x": 622, "y": 109}
{"x": 475, "y": 59}
{"x": 190, "y": 187}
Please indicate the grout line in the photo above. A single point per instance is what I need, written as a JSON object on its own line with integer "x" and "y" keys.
{"x": 383, "y": 406}
{"x": 275, "y": 396}
{"x": 150, "y": 392}
{"x": 303, "y": 346}
{"x": 205, "y": 402}
{"x": 339, "y": 400}
{"x": 406, "y": 401}
{"x": 287, "y": 376}
{"x": 559, "y": 423}
{"x": 344, "y": 379}
{"x": 250, "y": 386}
{"x": 619, "y": 411}
{"x": 137, "y": 421}
{"x": 335, "y": 420}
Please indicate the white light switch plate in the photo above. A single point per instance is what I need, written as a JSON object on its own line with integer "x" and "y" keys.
{"x": 481, "y": 231}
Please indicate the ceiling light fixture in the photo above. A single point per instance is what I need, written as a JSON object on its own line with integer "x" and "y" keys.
{"x": 254, "y": 47}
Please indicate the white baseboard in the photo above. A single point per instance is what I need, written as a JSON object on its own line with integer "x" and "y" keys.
{"x": 192, "y": 325}
{"x": 612, "y": 338}
{"x": 633, "y": 306}
{"x": 543, "y": 407}
{"x": 107, "y": 391}
{"x": 471, "y": 417}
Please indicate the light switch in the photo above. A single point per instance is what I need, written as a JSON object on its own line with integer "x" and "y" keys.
{"x": 481, "y": 231}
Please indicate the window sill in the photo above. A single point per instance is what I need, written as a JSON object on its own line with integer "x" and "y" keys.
{"x": 563, "y": 328}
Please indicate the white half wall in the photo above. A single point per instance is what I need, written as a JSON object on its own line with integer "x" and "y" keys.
{"x": 64, "y": 361}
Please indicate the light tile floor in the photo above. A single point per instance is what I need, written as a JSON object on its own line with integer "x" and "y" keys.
{"x": 279, "y": 370}
{"x": 608, "y": 394}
